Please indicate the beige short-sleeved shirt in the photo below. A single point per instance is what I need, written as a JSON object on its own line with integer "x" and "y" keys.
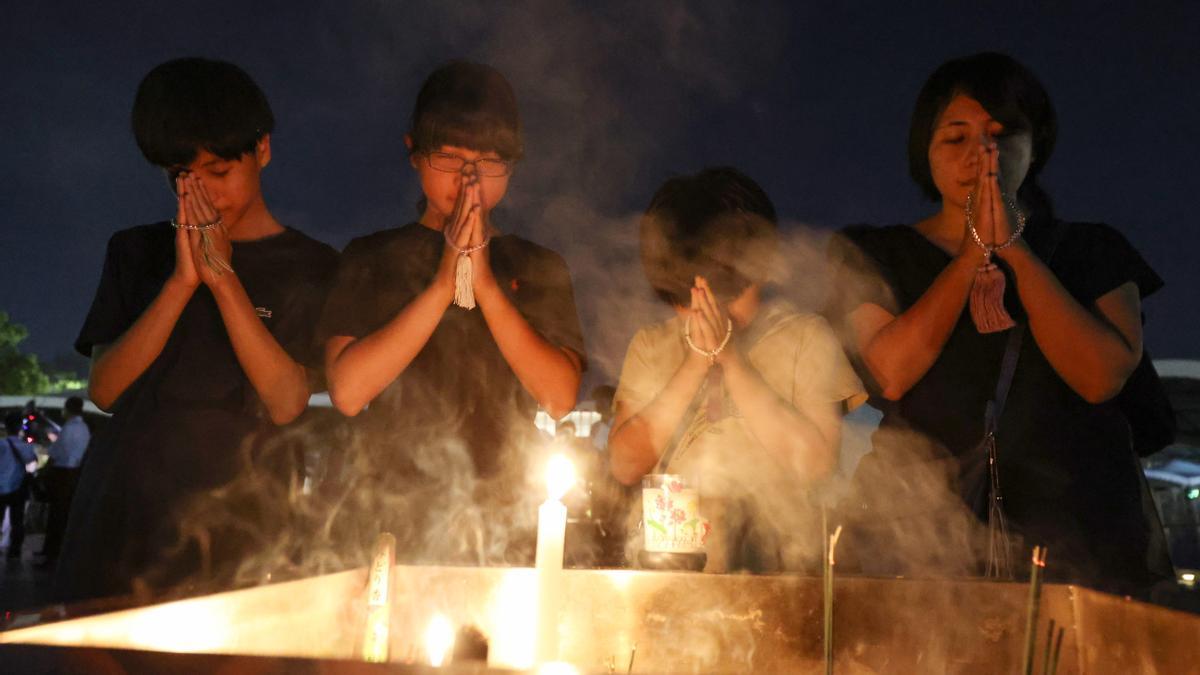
{"x": 799, "y": 357}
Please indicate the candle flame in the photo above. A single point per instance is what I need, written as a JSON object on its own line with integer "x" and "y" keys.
{"x": 439, "y": 640}
{"x": 560, "y": 476}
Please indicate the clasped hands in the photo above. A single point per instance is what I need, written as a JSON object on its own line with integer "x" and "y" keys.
{"x": 708, "y": 328}
{"x": 992, "y": 210}
{"x": 203, "y": 250}
{"x": 467, "y": 233}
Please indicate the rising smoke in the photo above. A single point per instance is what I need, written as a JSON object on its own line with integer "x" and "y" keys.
{"x": 579, "y": 192}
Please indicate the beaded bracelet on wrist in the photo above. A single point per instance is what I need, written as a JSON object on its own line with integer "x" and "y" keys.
{"x": 712, "y": 355}
{"x": 199, "y": 228}
{"x": 989, "y": 249}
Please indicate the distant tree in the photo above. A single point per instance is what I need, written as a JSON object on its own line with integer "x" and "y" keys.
{"x": 20, "y": 374}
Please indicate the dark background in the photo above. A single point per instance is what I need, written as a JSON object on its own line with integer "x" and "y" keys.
{"x": 812, "y": 101}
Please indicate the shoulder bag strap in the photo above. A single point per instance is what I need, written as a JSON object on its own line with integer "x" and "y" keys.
{"x": 1008, "y": 367}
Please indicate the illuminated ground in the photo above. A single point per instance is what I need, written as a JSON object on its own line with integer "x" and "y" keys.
{"x": 24, "y": 585}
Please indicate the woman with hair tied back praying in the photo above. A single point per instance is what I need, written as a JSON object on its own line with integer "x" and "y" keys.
{"x": 995, "y": 337}
{"x": 739, "y": 392}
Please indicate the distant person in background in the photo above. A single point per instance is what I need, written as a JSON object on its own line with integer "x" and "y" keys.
{"x": 602, "y": 397}
{"x": 200, "y": 337}
{"x": 565, "y": 432}
{"x": 15, "y": 459}
{"x": 610, "y": 499}
{"x": 61, "y": 474}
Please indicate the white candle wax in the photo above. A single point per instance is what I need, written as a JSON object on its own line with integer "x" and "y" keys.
{"x": 552, "y": 525}
{"x": 552, "y": 528}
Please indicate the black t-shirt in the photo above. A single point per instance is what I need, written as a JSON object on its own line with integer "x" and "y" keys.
{"x": 176, "y": 431}
{"x": 459, "y": 388}
{"x": 1069, "y": 477}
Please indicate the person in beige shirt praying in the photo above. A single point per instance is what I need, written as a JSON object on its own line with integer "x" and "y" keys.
{"x": 739, "y": 392}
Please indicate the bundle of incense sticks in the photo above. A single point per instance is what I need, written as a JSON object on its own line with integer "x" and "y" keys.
{"x": 1031, "y": 613}
{"x": 829, "y": 563}
{"x": 379, "y": 609}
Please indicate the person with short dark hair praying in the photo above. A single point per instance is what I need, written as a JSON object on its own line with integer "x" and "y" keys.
{"x": 200, "y": 337}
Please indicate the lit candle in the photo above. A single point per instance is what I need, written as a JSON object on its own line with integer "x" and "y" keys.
{"x": 552, "y": 527}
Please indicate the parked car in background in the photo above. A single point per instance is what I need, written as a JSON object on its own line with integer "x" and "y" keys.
{"x": 1174, "y": 473}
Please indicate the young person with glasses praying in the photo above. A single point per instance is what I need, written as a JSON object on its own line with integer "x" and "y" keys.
{"x": 444, "y": 336}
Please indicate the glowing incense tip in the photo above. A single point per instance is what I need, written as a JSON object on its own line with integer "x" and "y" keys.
{"x": 828, "y": 596}
{"x": 1039, "y": 556}
{"x": 375, "y": 634}
{"x": 833, "y": 540}
{"x": 439, "y": 640}
{"x": 560, "y": 476}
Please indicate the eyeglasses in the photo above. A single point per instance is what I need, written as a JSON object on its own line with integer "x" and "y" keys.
{"x": 490, "y": 168}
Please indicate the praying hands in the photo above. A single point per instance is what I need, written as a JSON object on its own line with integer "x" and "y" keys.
{"x": 201, "y": 234}
{"x": 465, "y": 259}
{"x": 708, "y": 328}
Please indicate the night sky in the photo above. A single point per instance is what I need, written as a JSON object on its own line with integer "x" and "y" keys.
{"x": 811, "y": 101}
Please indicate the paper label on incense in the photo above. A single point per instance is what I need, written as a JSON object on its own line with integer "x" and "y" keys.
{"x": 671, "y": 518}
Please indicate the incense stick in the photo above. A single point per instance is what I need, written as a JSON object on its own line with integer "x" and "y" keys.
{"x": 828, "y": 565}
{"x": 1049, "y": 643}
{"x": 1038, "y": 561}
{"x": 1054, "y": 657}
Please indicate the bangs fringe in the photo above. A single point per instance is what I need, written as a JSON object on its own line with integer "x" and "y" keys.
{"x": 477, "y": 131}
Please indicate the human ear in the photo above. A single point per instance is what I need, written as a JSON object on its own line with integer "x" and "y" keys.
{"x": 262, "y": 150}
{"x": 408, "y": 143}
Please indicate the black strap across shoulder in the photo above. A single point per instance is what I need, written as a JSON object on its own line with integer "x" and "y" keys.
{"x": 1008, "y": 367}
